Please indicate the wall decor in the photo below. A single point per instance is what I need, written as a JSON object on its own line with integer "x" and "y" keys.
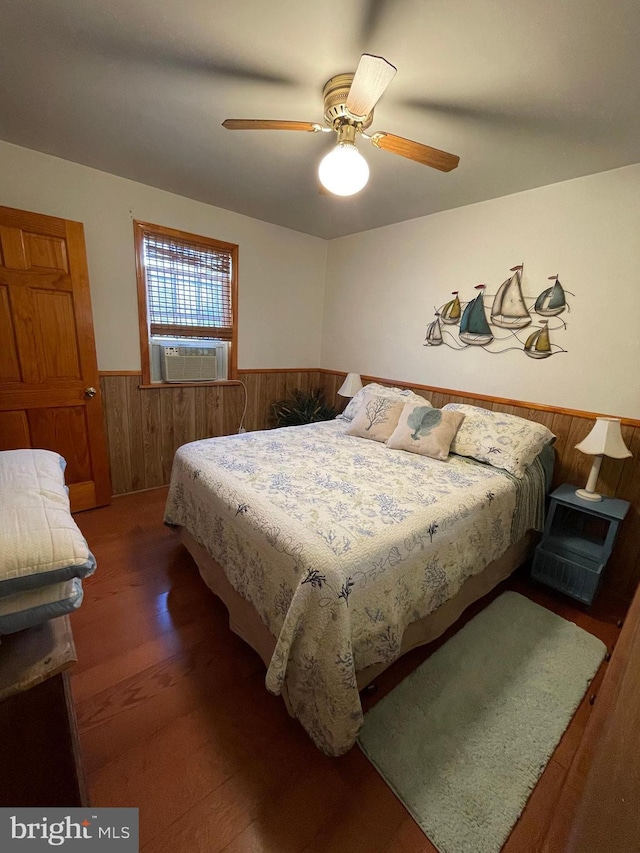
{"x": 502, "y": 327}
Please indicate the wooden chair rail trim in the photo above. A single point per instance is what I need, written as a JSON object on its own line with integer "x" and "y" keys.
{"x": 250, "y": 370}
{"x": 505, "y": 401}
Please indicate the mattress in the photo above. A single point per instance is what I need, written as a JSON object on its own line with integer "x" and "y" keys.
{"x": 40, "y": 543}
{"x": 340, "y": 544}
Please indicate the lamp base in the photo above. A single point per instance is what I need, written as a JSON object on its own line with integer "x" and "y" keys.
{"x": 588, "y": 496}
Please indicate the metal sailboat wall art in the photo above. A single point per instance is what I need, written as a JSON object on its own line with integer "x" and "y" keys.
{"x": 551, "y": 301}
{"x": 452, "y": 311}
{"x": 538, "y": 344}
{"x": 474, "y": 328}
{"x": 496, "y": 330}
{"x": 433, "y": 337}
{"x": 509, "y": 310}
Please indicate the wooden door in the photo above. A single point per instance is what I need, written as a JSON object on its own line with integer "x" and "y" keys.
{"x": 48, "y": 369}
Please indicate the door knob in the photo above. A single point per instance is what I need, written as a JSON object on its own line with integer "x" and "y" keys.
{"x": 90, "y": 392}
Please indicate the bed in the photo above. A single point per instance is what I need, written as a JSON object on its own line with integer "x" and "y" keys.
{"x": 335, "y": 555}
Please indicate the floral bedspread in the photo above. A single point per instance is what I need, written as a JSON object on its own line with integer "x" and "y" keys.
{"x": 339, "y": 543}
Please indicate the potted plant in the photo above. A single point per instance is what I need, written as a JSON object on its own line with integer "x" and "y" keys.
{"x": 302, "y": 407}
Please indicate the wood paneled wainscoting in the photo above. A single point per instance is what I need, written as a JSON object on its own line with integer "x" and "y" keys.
{"x": 145, "y": 425}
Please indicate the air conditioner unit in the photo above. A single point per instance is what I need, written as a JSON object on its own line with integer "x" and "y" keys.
{"x": 189, "y": 364}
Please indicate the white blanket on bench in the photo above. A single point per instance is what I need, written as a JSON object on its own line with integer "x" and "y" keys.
{"x": 40, "y": 543}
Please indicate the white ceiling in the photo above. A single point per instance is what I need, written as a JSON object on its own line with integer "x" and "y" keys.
{"x": 526, "y": 92}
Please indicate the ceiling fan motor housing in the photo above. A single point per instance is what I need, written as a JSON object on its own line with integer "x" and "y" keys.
{"x": 349, "y": 101}
{"x": 335, "y": 94}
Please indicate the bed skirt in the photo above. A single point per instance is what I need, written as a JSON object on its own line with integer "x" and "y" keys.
{"x": 245, "y": 621}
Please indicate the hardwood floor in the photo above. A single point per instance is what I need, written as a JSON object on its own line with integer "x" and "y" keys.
{"x": 174, "y": 717}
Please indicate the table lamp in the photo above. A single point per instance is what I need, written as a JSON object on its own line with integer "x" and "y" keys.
{"x": 351, "y": 385}
{"x": 605, "y": 439}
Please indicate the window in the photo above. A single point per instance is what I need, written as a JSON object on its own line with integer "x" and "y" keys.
{"x": 187, "y": 293}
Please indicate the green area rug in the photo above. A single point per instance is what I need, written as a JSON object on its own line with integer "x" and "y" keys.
{"x": 463, "y": 740}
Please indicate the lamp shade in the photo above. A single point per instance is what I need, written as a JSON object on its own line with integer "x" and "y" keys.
{"x": 605, "y": 439}
{"x": 351, "y": 385}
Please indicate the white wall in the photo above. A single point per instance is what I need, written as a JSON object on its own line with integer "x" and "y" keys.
{"x": 382, "y": 287}
{"x": 281, "y": 272}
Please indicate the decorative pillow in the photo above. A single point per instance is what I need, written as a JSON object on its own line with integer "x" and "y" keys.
{"x": 425, "y": 430}
{"x": 392, "y": 393}
{"x": 377, "y": 417}
{"x": 504, "y": 441}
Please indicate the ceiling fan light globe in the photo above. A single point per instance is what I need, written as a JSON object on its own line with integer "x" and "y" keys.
{"x": 343, "y": 171}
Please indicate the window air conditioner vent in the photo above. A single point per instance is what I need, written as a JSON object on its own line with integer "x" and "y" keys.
{"x": 189, "y": 364}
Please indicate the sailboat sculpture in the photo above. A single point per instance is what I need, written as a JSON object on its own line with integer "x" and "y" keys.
{"x": 434, "y": 333}
{"x": 474, "y": 328}
{"x": 509, "y": 310}
{"x": 452, "y": 310}
{"x": 537, "y": 344}
{"x": 551, "y": 301}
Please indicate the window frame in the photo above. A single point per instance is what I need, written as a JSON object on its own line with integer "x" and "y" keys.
{"x": 139, "y": 231}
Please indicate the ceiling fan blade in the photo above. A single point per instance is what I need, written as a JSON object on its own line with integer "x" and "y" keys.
{"x": 372, "y": 77}
{"x": 165, "y": 55}
{"x": 372, "y": 16}
{"x": 270, "y": 124}
{"x": 415, "y": 151}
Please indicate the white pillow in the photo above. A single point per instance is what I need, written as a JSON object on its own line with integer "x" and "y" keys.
{"x": 392, "y": 393}
{"x": 504, "y": 441}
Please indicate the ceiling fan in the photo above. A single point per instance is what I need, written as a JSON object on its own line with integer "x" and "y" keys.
{"x": 349, "y": 100}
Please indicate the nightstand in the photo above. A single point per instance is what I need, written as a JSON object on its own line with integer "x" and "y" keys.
{"x": 577, "y": 542}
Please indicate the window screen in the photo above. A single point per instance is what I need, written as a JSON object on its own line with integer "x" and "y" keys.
{"x": 188, "y": 288}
